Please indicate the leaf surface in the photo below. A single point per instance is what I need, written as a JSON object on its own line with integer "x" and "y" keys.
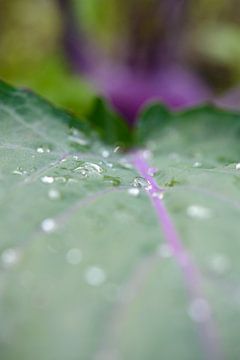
{"x": 111, "y": 255}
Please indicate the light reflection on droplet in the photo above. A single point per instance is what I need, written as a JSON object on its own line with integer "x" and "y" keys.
{"x": 48, "y": 225}
{"x": 47, "y": 179}
{"x": 95, "y": 276}
{"x": 74, "y": 256}
{"x": 238, "y": 166}
{"x": 158, "y": 194}
{"x": 140, "y": 182}
{"x": 197, "y": 164}
{"x": 199, "y": 212}
{"x": 105, "y": 153}
{"x": 199, "y": 310}
{"x": 10, "y": 257}
{"x": 89, "y": 169}
{"x": 133, "y": 191}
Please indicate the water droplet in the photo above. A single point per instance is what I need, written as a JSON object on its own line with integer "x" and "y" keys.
{"x": 199, "y": 212}
{"x": 238, "y": 166}
{"x": 105, "y": 153}
{"x": 54, "y": 194}
{"x": 40, "y": 150}
{"x": 165, "y": 251}
{"x": 152, "y": 171}
{"x": 140, "y": 182}
{"x": 76, "y": 137}
{"x": 158, "y": 194}
{"x": 10, "y": 257}
{"x": 47, "y": 179}
{"x": 199, "y": 310}
{"x": 219, "y": 263}
{"x": 74, "y": 256}
{"x": 19, "y": 171}
{"x": 125, "y": 163}
{"x": 197, "y": 164}
{"x": 88, "y": 169}
{"x": 48, "y": 225}
{"x": 117, "y": 149}
{"x": 146, "y": 154}
{"x": 95, "y": 276}
{"x": 134, "y": 191}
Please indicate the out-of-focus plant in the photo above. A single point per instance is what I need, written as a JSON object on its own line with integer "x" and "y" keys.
{"x": 180, "y": 52}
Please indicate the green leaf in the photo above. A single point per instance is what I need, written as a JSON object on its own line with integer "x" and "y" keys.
{"x": 94, "y": 263}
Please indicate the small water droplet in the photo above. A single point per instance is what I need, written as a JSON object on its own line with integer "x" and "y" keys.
{"x": 95, "y": 276}
{"x": 147, "y": 154}
{"x": 140, "y": 182}
{"x": 117, "y": 149}
{"x": 219, "y": 263}
{"x": 40, "y": 150}
{"x": 74, "y": 256}
{"x": 88, "y": 169}
{"x": 76, "y": 137}
{"x": 158, "y": 194}
{"x": 19, "y": 171}
{"x": 199, "y": 310}
{"x": 238, "y": 166}
{"x": 199, "y": 212}
{"x": 134, "y": 191}
{"x": 152, "y": 171}
{"x": 105, "y": 153}
{"x": 48, "y": 225}
{"x": 54, "y": 194}
{"x": 47, "y": 179}
{"x": 197, "y": 164}
{"x": 10, "y": 257}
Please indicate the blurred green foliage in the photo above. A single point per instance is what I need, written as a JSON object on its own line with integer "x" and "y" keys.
{"x": 31, "y": 53}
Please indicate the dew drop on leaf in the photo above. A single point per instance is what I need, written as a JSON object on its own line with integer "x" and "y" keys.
{"x": 88, "y": 169}
{"x": 198, "y": 212}
{"x": 10, "y": 257}
{"x": 199, "y": 310}
{"x": 134, "y": 191}
{"x": 48, "y": 225}
{"x": 47, "y": 179}
{"x": 54, "y": 194}
{"x": 95, "y": 276}
{"x": 140, "y": 182}
{"x": 158, "y": 194}
{"x": 74, "y": 256}
{"x": 19, "y": 171}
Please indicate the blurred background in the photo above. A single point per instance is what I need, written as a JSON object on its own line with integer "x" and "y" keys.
{"x": 131, "y": 51}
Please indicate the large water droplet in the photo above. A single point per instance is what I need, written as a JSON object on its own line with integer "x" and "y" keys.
{"x": 199, "y": 310}
{"x": 95, "y": 276}
{"x": 10, "y": 257}
{"x": 199, "y": 212}
{"x": 48, "y": 225}
{"x": 140, "y": 182}
{"x": 74, "y": 256}
{"x": 88, "y": 169}
{"x": 47, "y": 179}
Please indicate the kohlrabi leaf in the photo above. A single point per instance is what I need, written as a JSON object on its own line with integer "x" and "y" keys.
{"x": 112, "y": 255}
